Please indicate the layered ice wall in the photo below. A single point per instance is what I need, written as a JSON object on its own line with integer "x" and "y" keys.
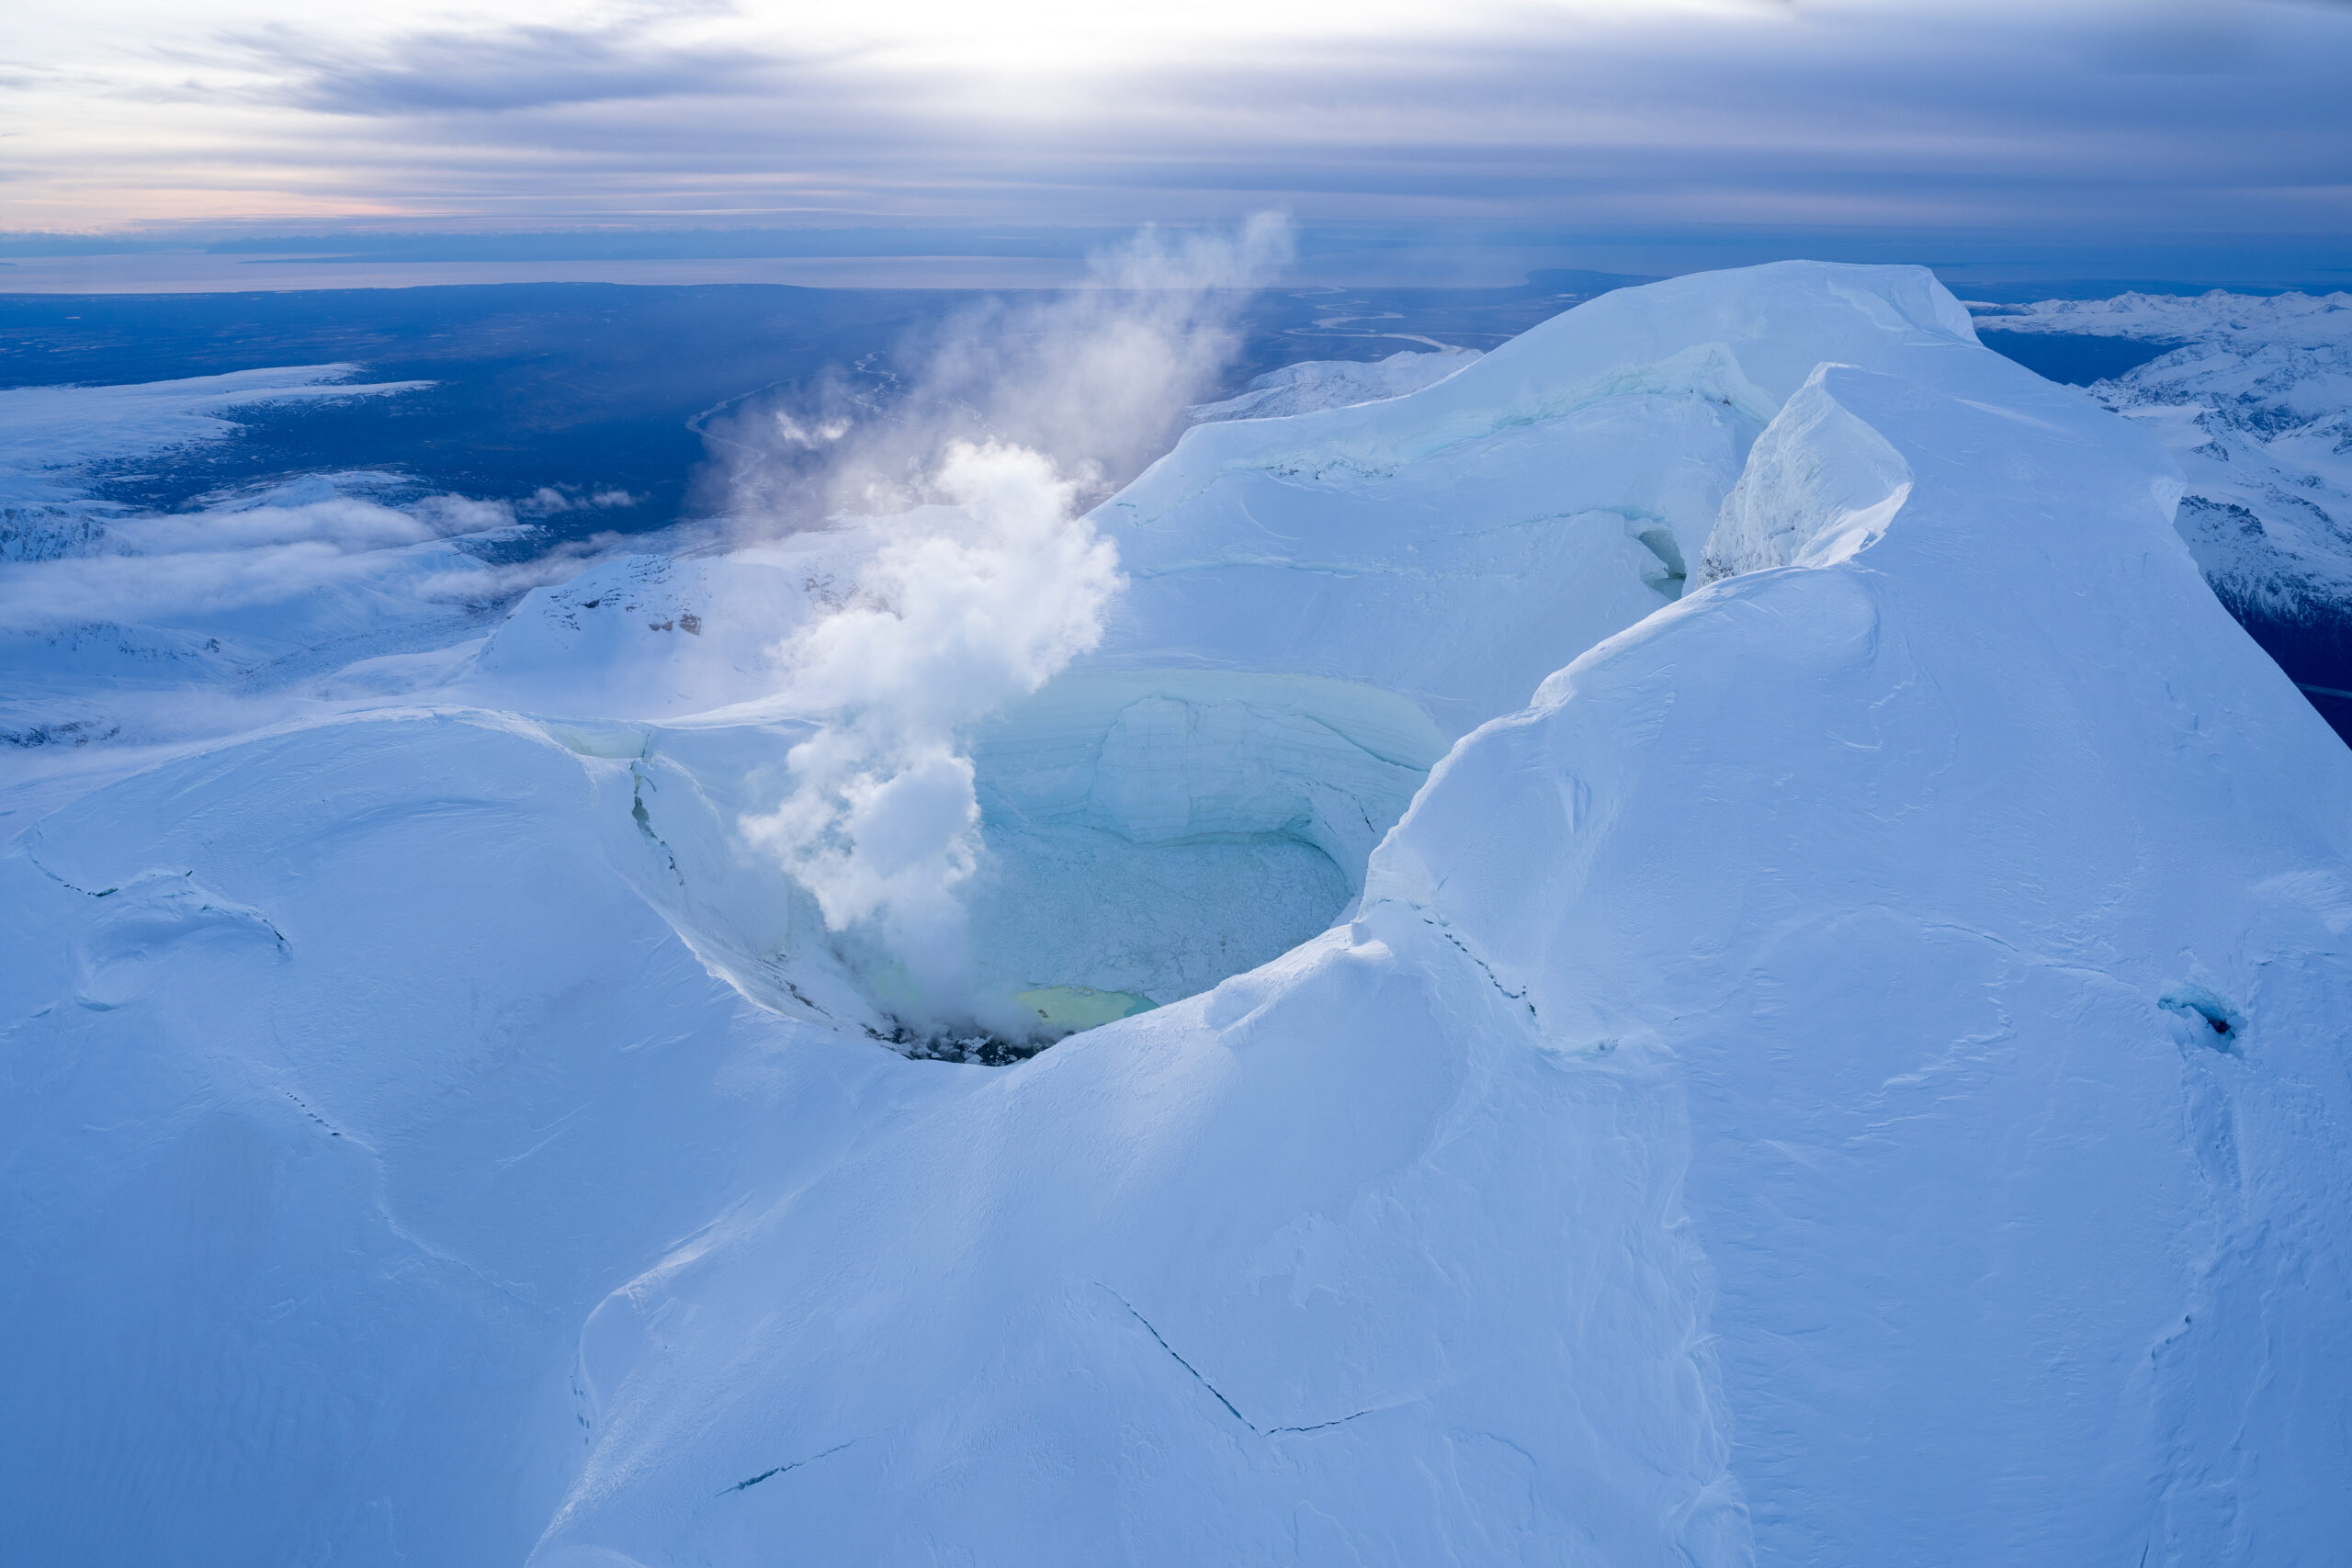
{"x": 1852, "y": 1073}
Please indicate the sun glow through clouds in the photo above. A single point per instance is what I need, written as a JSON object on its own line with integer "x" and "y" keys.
{"x": 1597, "y": 113}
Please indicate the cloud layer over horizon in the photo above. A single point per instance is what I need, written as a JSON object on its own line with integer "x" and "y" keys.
{"x": 2082, "y": 119}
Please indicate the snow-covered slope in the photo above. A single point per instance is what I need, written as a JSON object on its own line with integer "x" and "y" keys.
{"x": 2255, "y": 402}
{"x": 1852, "y": 1073}
{"x": 1460, "y": 544}
{"x": 1316, "y": 384}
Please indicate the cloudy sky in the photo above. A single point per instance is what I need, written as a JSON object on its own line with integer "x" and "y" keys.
{"x": 2090, "y": 123}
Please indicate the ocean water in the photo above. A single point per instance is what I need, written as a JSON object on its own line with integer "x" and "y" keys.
{"x": 2076, "y": 358}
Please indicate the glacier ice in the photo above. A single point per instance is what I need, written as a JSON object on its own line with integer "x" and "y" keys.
{"x": 1759, "y": 1102}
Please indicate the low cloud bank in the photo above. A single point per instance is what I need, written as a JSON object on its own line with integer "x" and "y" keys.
{"x": 290, "y": 544}
{"x": 69, "y": 560}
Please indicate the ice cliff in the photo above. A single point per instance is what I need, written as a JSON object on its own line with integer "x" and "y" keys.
{"x": 1852, "y": 1070}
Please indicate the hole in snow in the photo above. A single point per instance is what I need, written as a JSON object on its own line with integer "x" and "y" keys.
{"x": 1672, "y": 575}
{"x": 1150, "y": 833}
{"x": 1147, "y": 835}
{"x": 2213, "y": 1020}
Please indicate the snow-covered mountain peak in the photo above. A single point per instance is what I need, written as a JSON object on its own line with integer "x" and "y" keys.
{"x": 1849, "y": 1072}
{"x": 2292, "y": 320}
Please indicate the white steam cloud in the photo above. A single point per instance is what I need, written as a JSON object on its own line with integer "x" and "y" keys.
{"x": 985, "y": 583}
{"x": 966, "y": 607}
{"x": 1096, "y": 378}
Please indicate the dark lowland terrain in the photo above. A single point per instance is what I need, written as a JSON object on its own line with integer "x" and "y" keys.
{"x": 586, "y": 387}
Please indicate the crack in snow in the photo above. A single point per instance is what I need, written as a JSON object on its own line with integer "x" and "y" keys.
{"x": 1325, "y": 1425}
{"x": 783, "y": 1469}
{"x": 1231, "y": 1410}
{"x": 1445, "y": 931}
{"x": 1180, "y": 1361}
{"x": 34, "y": 860}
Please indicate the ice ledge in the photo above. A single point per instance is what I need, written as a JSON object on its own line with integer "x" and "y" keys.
{"x": 1819, "y": 485}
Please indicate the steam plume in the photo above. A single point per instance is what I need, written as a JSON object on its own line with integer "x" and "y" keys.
{"x": 987, "y": 583}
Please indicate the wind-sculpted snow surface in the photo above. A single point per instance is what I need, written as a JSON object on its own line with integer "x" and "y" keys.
{"x": 1818, "y": 478}
{"x": 1852, "y": 1074}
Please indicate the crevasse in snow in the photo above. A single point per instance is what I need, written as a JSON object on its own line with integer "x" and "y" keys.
{"x": 1850, "y": 1072}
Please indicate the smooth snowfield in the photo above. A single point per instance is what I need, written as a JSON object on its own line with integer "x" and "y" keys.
{"x": 1854, "y": 1073}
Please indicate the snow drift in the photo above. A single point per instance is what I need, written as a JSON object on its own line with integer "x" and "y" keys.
{"x": 1852, "y": 1073}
